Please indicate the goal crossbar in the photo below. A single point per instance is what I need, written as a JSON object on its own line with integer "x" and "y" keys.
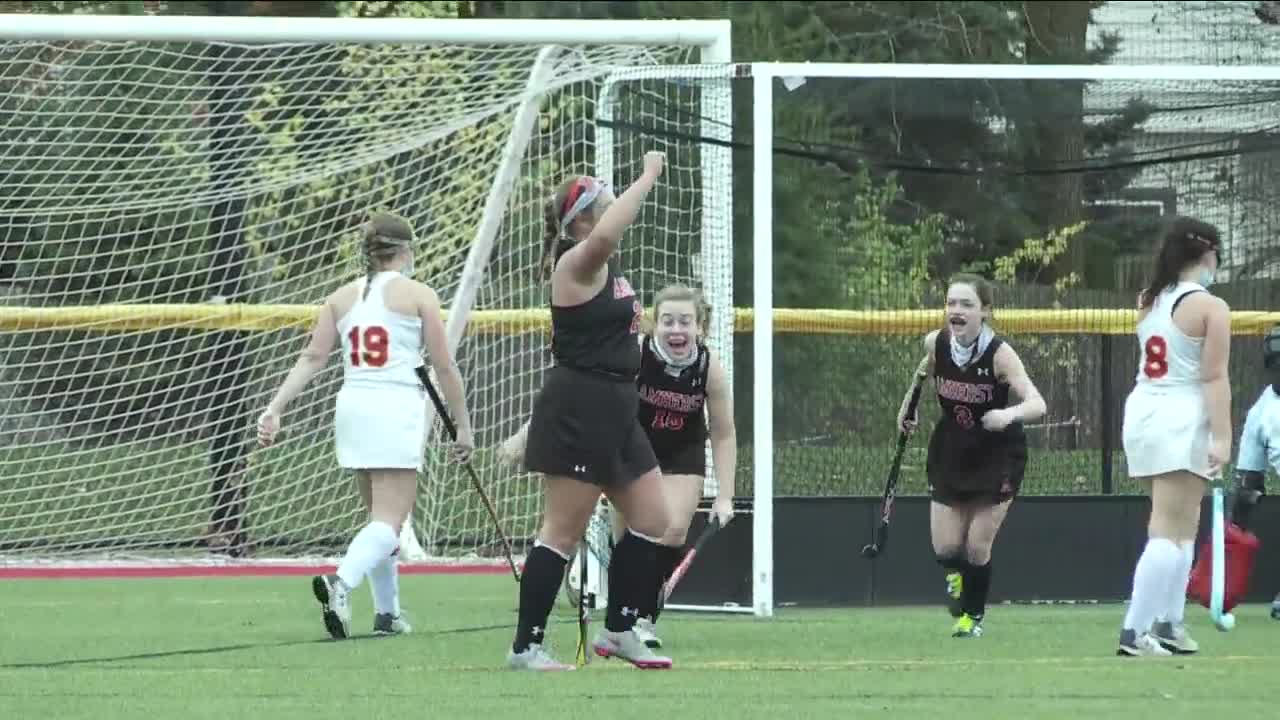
{"x": 157, "y": 28}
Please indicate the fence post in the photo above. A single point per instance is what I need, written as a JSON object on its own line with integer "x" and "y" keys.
{"x": 1107, "y": 419}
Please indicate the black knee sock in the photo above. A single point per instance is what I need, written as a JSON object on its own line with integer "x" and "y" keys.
{"x": 635, "y": 574}
{"x": 539, "y": 585}
{"x": 668, "y": 558}
{"x": 952, "y": 562}
{"x": 977, "y": 583}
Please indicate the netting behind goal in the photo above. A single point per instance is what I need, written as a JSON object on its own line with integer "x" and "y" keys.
{"x": 172, "y": 213}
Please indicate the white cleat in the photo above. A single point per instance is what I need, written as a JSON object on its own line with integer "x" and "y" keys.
{"x": 628, "y": 646}
{"x": 1174, "y": 638}
{"x": 647, "y": 632}
{"x": 1135, "y": 645}
{"x": 534, "y": 657}
{"x": 335, "y": 603}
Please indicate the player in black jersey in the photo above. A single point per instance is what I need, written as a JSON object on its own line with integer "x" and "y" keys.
{"x": 685, "y": 398}
{"x": 583, "y": 435}
{"x": 978, "y": 451}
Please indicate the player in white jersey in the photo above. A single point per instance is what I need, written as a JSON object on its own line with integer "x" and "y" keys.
{"x": 1177, "y": 428}
{"x": 1259, "y": 444}
{"x": 383, "y": 322}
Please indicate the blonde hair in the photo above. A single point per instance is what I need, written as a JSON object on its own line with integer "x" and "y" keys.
{"x": 383, "y": 235}
{"x": 682, "y": 293}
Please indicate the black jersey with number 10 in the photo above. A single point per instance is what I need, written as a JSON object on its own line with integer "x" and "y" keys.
{"x": 671, "y": 406}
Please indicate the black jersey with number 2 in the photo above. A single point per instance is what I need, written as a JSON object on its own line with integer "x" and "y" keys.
{"x": 600, "y": 335}
{"x": 964, "y": 455}
{"x": 672, "y": 409}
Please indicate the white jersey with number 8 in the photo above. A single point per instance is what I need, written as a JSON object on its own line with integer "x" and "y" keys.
{"x": 380, "y": 418}
{"x": 1169, "y": 357}
{"x": 1166, "y": 419}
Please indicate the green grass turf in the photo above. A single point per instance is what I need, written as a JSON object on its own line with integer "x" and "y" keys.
{"x": 242, "y": 649}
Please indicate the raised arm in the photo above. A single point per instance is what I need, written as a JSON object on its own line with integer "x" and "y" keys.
{"x": 586, "y": 258}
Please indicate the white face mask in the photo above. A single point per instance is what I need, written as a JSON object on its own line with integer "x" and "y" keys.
{"x": 407, "y": 269}
{"x": 1206, "y": 277}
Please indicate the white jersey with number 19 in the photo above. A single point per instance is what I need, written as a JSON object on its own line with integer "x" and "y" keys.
{"x": 379, "y": 347}
{"x": 1166, "y": 419}
{"x": 380, "y": 415}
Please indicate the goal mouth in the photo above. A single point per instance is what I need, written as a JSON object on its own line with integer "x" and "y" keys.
{"x": 183, "y": 196}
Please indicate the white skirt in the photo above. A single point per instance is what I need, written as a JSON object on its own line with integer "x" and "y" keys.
{"x": 1166, "y": 432}
{"x": 382, "y": 427}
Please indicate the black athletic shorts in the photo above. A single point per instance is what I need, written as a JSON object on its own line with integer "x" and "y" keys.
{"x": 991, "y": 479}
{"x": 685, "y": 459}
{"x": 584, "y": 426}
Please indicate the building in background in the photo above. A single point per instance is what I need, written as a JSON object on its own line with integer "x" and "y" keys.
{"x": 1225, "y": 135}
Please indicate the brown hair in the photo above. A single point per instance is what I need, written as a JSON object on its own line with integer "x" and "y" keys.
{"x": 553, "y": 213}
{"x": 1185, "y": 241}
{"x": 684, "y": 293}
{"x": 383, "y": 235}
{"x": 981, "y": 286}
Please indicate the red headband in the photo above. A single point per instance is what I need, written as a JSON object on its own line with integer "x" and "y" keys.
{"x": 572, "y": 196}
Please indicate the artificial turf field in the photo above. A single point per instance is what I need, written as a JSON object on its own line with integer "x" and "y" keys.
{"x": 242, "y": 648}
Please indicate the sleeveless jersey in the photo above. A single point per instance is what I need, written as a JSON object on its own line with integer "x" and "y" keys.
{"x": 1169, "y": 359}
{"x": 600, "y": 335}
{"x": 965, "y": 395}
{"x": 380, "y": 348}
{"x": 671, "y": 407}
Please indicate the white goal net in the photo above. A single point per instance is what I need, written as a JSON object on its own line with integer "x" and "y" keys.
{"x": 173, "y": 207}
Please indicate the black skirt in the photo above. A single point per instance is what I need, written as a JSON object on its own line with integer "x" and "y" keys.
{"x": 585, "y": 426}
{"x": 688, "y": 458}
{"x": 975, "y": 465}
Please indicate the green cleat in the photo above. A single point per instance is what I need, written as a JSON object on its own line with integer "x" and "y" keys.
{"x": 955, "y": 583}
{"x": 967, "y": 626}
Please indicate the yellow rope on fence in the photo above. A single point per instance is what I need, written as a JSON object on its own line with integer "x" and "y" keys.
{"x": 120, "y": 318}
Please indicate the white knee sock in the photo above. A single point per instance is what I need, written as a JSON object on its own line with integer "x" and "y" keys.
{"x": 1176, "y": 602}
{"x": 370, "y": 546}
{"x": 384, "y": 582}
{"x": 1151, "y": 581}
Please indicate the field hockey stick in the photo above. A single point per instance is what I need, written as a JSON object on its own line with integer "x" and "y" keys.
{"x": 421, "y": 370}
{"x": 1218, "y": 574}
{"x": 880, "y": 534}
{"x": 670, "y": 585}
{"x": 583, "y": 657}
